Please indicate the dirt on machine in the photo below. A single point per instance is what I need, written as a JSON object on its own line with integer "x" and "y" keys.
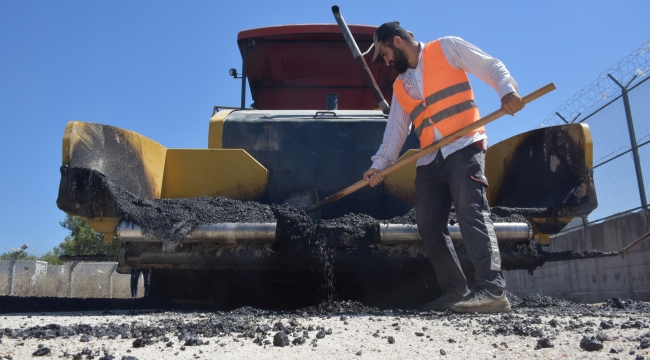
{"x": 213, "y": 223}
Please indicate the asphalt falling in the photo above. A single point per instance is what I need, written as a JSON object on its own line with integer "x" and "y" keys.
{"x": 326, "y": 256}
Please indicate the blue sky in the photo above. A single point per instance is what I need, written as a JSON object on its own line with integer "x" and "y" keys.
{"x": 158, "y": 68}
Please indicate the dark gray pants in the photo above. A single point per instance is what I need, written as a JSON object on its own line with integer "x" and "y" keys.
{"x": 459, "y": 179}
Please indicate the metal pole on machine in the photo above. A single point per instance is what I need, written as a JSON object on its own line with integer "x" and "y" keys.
{"x": 243, "y": 76}
{"x": 358, "y": 58}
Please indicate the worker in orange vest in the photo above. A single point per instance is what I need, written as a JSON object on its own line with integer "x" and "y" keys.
{"x": 432, "y": 96}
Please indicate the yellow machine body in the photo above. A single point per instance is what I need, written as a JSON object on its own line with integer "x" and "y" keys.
{"x": 148, "y": 169}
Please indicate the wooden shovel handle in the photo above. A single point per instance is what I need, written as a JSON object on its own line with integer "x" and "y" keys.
{"x": 634, "y": 244}
{"x": 464, "y": 131}
{"x": 433, "y": 147}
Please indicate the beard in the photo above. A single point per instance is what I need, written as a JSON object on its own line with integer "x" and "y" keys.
{"x": 400, "y": 62}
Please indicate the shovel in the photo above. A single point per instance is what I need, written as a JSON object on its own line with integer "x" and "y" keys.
{"x": 308, "y": 200}
{"x": 304, "y": 201}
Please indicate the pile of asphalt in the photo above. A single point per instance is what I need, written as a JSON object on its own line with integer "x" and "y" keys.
{"x": 540, "y": 318}
{"x": 497, "y": 215}
{"x": 171, "y": 220}
{"x": 576, "y": 255}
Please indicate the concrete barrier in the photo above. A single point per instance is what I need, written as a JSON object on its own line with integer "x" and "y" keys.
{"x": 33, "y": 267}
{"x": 85, "y": 280}
{"x": 98, "y": 279}
{"x": 21, "y": 269}
{"x": 593, "y": 280}
{"x": 55, "y": 270}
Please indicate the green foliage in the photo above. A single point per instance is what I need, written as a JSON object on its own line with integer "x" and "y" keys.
{"x": 23, "y": 256}
{"x": 52, "y": 257}
{"x": 83, "y": 240}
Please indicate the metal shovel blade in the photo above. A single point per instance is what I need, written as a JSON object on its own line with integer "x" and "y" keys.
{"x": 304, "y": 201}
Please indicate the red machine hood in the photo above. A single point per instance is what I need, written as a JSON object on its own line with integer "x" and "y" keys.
{"x": 293, "y": 67}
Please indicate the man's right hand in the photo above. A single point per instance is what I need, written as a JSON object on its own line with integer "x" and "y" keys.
{"x": 373, "y": 176}
{"x": 511, "y": 103}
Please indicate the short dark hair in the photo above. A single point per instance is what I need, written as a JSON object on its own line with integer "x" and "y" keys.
{"x": 401, "y": 32}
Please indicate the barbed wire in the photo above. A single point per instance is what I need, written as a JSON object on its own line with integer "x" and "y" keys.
{"x": 628, "y": 71}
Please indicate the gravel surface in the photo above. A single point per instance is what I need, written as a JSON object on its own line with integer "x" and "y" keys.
{"x": 539, "y": 327}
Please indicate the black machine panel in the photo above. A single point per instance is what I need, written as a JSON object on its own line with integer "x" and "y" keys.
{"x": 304, "y": 151}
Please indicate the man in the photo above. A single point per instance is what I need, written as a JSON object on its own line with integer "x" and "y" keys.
{"x": 432, "y": 94}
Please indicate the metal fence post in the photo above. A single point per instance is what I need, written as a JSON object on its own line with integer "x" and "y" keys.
{"x": 70, "y": 278}
{"x": 110, "y": 281}
{"x": 633, "y": 143}
{"x": 12, "y": 269}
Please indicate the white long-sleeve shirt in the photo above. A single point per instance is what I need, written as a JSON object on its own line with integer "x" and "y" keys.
{"x": 463, "y": 56}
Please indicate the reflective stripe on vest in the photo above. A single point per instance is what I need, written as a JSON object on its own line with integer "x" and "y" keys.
{"x": 448, "y": 103}
{"x": 444, "y": 114}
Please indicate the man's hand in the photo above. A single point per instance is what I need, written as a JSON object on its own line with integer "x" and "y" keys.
{"x": 511, "y": 103}
{"x": 373, "y": 176}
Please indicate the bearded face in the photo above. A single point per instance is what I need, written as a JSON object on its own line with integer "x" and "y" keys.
{"x": 400, "y": 62}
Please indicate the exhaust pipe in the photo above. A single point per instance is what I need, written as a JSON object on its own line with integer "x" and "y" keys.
{"x": 358, "y": 58}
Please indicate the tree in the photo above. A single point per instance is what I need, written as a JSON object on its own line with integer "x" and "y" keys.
{"x": 23, "y": 256}
{"x": 83, "y": 240}
{"x": 52, "y": 257}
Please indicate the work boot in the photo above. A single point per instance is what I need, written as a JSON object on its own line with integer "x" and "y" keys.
{"x": 443, "y": 302}
{"x": 482, "y": 301}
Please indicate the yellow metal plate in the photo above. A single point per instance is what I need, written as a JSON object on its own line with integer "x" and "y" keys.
{"x": 172, "y": 173}
{"x": 232, "y": 173}
{"x": 85, "y": 144}
{"x": 499, "y": 155}
{"x": 400, "y": 184}
{"x": 215, "y": 133}
{"x": 106, "y": 226}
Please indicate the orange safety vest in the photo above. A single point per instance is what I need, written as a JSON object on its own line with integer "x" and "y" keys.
{"x": 448, "y": 103}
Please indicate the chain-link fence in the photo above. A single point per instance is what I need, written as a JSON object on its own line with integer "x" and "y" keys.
{"x": 616, "y": 106}
{"x": 79, "y": 280}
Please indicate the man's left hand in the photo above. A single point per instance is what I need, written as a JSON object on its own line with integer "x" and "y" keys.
{"x": 511, "y": 103}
